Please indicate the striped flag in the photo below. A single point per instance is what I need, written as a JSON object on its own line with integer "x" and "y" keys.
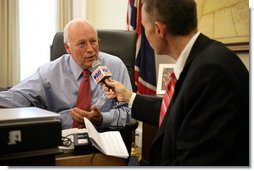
{"x": 145, "y": 75}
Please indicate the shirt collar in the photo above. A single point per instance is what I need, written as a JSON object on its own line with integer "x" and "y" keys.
{"x": 75, "y": 68}
{"x": 179, "y": 65}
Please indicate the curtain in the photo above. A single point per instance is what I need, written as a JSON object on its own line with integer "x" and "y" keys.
{"x": 9, "y": 43}
{"x": 64, "y": 13}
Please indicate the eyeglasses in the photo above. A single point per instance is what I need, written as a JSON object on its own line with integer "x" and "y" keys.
{"x": 83, "y": 43}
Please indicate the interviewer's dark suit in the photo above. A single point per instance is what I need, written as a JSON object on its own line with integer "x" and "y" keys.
{"x": 207, "y": 122}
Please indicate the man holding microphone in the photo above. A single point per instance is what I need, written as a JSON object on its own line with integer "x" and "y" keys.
{"x": 203, "y": 118}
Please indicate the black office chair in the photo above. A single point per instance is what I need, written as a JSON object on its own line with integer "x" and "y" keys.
{"x": 120, "y": 43}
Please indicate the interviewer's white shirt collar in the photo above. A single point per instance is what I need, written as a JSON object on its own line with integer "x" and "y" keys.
{"x": 179, "y": 65}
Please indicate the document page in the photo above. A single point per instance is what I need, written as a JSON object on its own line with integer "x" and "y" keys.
{"x": 114, "y": 143}
{"x": 109, "y": 143}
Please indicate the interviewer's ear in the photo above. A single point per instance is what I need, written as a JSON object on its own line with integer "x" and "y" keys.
{"x": 160, "y": 28}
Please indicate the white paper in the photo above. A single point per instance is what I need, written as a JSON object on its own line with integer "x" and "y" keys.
{"x": 109, "y": 143}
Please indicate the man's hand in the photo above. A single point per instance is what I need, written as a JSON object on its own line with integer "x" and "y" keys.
{"x": 118, "y": 91}
{"x": 94, "y": 116}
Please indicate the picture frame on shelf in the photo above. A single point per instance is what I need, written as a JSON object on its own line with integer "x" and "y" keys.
{"x": 163, "y": 77}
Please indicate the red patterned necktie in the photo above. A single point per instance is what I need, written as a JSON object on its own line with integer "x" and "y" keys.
{"x": 84, "y": 97}
{"x": 170, "y": 88}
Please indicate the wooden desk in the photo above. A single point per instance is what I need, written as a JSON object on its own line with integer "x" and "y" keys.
{"x": 95, "y": 159}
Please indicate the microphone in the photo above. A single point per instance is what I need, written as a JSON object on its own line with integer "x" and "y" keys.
{"x": 99, "y": 72}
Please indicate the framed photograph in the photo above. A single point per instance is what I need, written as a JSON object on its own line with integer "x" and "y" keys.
{"x": 163, "y": 77}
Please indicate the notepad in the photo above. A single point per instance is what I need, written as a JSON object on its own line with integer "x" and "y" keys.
{"x": 110, "y": 142}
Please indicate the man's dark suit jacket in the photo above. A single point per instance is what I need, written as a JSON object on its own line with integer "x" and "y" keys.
{"x": 207, "y": 122}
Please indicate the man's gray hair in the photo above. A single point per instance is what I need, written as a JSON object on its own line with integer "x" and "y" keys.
{"x": 69, "y": 24}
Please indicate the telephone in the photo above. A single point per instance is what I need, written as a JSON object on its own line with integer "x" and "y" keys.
{"x": 82, "y": 144}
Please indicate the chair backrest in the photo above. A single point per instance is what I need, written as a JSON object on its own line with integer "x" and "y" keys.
{"x": 120, "y": 43}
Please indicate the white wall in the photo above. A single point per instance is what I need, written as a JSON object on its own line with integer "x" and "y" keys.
{"x": 107, "y": 14}
{"x": 79, "y": 9}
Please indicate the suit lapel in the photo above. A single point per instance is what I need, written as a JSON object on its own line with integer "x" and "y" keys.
{"x": 200, "y": 43}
